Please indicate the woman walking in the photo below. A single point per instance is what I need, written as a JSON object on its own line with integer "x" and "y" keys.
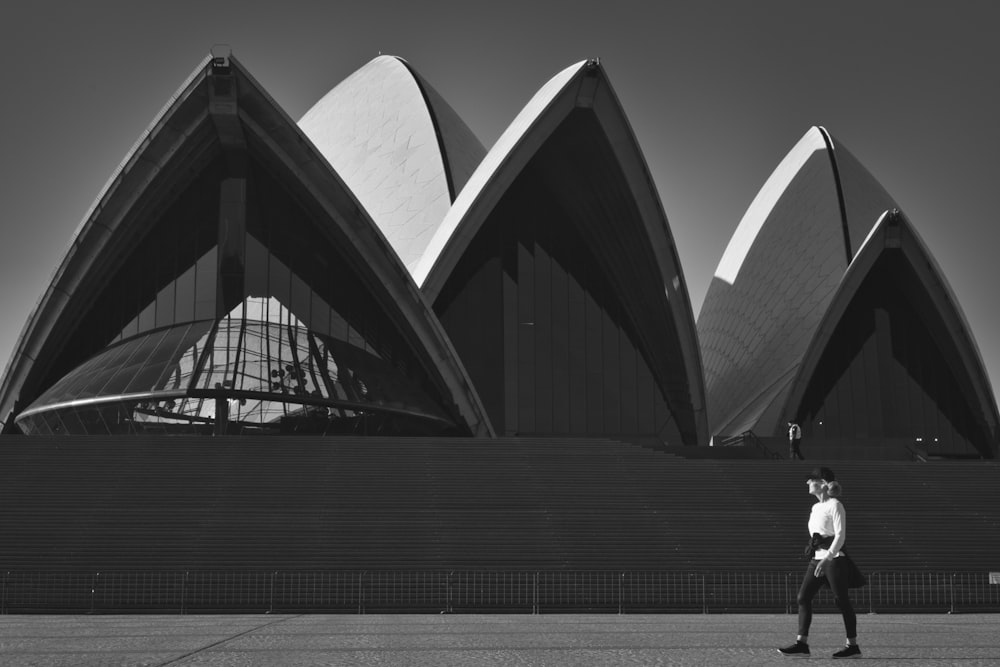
{"x": 828, "y": 566}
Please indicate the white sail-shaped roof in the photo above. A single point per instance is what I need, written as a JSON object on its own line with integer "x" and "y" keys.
{"x": 399, "y": 147}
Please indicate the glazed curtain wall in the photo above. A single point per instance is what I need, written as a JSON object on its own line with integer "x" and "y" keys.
{"x": 264, "y": 376}
{"x": 888, "y": 371}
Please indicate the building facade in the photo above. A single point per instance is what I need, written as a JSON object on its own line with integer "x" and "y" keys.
{"x": 373, "y": 269}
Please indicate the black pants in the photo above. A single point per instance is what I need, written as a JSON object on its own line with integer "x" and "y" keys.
{"x": 793, "y": 450}
{"x": 834, "y": 576}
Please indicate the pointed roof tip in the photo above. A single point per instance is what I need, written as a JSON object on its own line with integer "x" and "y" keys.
{"x": 416, "y": 158}
{"x": 802, "y": 198}
{"x": 824, "y": 134}
{"x": 815, "y": 138}
{"x": 890, "y": 216}
{"x": 488, "y": 167}
{"x": 863, "y": 198}
{"x": 764, "y": 202}
{"x": 893, "y": 230}
{"x": 585, "y": 87}
{"x": 817, "y": 133}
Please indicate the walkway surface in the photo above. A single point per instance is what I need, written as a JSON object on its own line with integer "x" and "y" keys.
{"x": 470, "y": 640}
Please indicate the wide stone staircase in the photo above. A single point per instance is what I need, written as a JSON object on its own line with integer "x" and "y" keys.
{"x": 200, "y": 507}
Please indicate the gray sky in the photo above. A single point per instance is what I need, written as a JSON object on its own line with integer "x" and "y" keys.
{"x": 717, "y": 93}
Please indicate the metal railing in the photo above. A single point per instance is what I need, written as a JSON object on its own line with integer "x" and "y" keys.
{"x": 748, "y": 438}
{"x": 479, "y": 591}
{"x": 752, "y": 438}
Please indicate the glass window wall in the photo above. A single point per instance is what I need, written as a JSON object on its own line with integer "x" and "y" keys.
{"x": 260, "y": 363}
{"x": 308, "y": 349}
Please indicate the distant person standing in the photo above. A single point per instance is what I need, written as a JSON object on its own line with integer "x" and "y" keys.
{"x": 794, "y": 442}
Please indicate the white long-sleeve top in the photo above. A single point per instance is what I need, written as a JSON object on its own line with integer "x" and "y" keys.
{"x": 829, "y": 518}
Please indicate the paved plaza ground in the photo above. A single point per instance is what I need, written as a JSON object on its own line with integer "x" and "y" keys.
{"x": 470, "y": 640}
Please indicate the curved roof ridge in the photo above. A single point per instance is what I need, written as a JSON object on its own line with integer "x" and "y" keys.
{"x": 839, "y": 185}
{"x": 393, "y": 276}
{"x": 21, "y": 360}
{"x": 948, "y": 294}
{"x": 763, "y": 203}
{"x": 863, "y": 262}
{"x": 199, "y": 70}
{"x": 391, "y": 141}
{"x": 871, "y": 234}
{"x": 461, "y": 150}
{"x": 664, "y": 298}
{"x": 501, "y": 153}
{"x": 778, "y": 272}
{"x": 928, "y": 270}
{"x": 864, "y": 199}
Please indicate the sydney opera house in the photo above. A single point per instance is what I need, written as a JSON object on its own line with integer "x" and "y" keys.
{"x": 370, "y": 269}
{"x": 369, "y": 304}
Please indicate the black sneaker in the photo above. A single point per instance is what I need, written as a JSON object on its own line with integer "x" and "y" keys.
{"x": 852, "y": 651}
{"x": 796, "y": 650}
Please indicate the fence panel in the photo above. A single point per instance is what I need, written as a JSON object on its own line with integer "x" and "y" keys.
{"x": 492, "y": 591}
{"x": 746, "y": 591}
{"x": 316, "y": 591}
{"x": 974, "y": 592}
{"x": 137, "y": 592}
{"x": 466, "y": 591}
{"x": 48, "y": 592}
{"x": 404, "y": 591}
{"x": 663, "y": 591}
{"x": 579, "y": 591}
{"x": 228, "y": 591}
{"x": 902, "y": 591}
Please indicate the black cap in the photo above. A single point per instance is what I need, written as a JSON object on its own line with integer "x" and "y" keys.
{"x": 822, "y": 473}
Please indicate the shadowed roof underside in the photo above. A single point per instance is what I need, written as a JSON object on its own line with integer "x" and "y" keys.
{"x": 893, "y": 233}
{"x": 627, "y": 226}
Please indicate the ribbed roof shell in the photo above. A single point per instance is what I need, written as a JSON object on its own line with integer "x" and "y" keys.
{"x": 777, "y": 277}
{"x": 399, "y": 146}
{"x": 772, "y": 287}
{"x": 791, "y": 271}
